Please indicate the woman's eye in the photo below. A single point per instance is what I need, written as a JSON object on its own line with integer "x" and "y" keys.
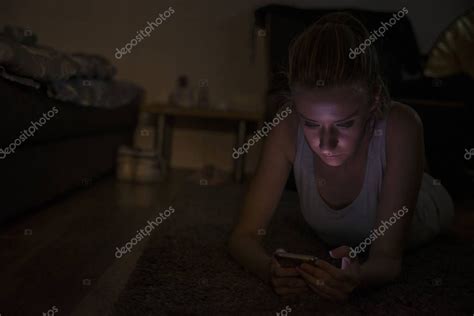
{"x": 310, "y": 125}
{"x": 346, "y": 124}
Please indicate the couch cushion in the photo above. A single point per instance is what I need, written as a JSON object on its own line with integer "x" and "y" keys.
{"x": 37, "y": 174}
{"x": 21, "y": 105}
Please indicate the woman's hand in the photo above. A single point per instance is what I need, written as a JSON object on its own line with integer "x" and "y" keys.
{"x": 330, "y": 282}
{"x": 286, "y": 281}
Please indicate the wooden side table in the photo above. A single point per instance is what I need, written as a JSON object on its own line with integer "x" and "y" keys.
{"x": 243, "y": 118}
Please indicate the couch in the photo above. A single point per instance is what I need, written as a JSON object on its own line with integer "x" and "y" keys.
{"x": 76, "y": 146}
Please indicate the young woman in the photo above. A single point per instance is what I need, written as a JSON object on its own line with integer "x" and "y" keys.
{"x": 358, "y": 159}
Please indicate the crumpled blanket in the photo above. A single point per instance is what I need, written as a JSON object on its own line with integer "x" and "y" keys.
{"x": 104, "y": 94}
{"x": 85, "y": 79}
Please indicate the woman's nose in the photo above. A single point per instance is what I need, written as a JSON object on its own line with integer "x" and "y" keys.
{"x": 328, "y": 140}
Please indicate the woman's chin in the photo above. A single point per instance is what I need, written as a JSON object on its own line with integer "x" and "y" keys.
{"x": 333, "y": 161}
{"x": 334, "y": 164}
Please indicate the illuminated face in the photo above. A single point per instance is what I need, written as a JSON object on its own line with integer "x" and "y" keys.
{"x": 334, "y": 121}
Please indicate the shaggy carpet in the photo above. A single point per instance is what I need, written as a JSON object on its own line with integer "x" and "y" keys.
{"x": 186, "y": 269}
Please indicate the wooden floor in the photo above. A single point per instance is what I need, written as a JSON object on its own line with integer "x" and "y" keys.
{"x": 64, "y": 255}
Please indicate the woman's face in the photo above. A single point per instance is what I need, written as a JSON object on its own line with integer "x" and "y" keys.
{"x": 333, "y": 121}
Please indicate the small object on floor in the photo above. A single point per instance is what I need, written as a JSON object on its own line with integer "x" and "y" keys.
{"x": 125, "y": 163}
{"x": 145, "y": 137}
{"x": 139, "y": 165}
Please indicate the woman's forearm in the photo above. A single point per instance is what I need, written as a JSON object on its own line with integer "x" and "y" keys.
{"x": 251, "y": 255}
{"x": 378, "y": 271}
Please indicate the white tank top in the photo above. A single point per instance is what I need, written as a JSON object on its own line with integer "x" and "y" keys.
{"x": 352, "y": 224}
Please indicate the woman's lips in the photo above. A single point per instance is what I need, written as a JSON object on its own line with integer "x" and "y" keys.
{"x": 331, "y": 155}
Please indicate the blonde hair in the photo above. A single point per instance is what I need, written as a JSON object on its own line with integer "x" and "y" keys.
{"x": 320, "y": 57}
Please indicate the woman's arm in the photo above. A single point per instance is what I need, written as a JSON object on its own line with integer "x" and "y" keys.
{"x": 401, "y": 184}
{"x": 262, "y": 199}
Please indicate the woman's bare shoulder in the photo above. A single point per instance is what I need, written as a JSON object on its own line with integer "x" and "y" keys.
{"x": 402, "y": 116}
{"x": 404, "y": 126}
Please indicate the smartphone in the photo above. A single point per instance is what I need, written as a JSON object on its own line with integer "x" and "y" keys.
{"x": 291, "y": 260}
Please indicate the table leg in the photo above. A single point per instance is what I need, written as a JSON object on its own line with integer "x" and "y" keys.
{"x": 240, "y": 162}
{"x": 168, "y": 140}
{"x": 160, "y": 137}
